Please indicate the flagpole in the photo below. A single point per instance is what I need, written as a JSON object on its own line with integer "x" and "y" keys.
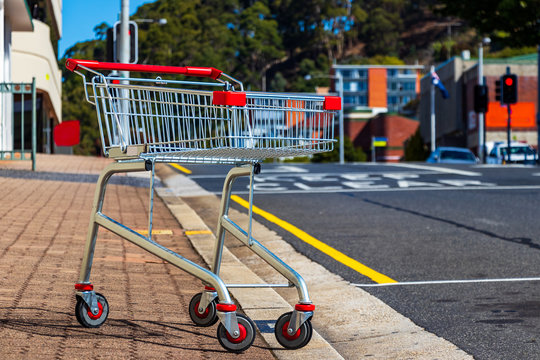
{"x": 432, "y": 111}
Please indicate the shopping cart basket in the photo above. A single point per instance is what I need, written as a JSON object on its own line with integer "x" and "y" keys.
{"x": 143, "y": 121}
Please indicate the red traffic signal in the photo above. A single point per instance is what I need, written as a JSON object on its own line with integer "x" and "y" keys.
{"x": 509, "y": 89}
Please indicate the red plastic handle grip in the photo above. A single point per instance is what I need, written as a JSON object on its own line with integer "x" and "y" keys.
{"x": 73, "y": 64}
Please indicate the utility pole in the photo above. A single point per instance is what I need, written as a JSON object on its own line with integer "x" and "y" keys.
{"x": 433, "y": 135}
{"x": 341, "y": 125}
{"x": 124, "y": 58}
{"x": 124, "y": 35}
{"x": 509, "y": 147}
{"x": 481, "y": 115}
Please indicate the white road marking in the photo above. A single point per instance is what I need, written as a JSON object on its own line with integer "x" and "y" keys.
{"x": 437, "y": 282}
{"x": 371, "y": 189}
{"x": 435, "y": 168}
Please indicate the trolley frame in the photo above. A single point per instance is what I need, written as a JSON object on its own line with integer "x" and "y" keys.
{"x": 243, "y": 148}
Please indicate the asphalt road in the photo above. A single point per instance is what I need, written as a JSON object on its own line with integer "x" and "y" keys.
{"x": 417, "y": 223}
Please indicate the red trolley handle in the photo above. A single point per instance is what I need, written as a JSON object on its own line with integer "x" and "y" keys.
{"x": 73, "y": 65}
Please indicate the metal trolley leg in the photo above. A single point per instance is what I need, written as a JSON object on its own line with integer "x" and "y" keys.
{"x": 304, "y": 310}
{"x": 225, "y": 308}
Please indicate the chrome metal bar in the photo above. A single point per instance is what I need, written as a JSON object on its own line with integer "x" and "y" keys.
{"x": 270, "y": 258}
{"x": 151, "y": 210}
{"x": 233, "y": 174}
{"x": 166, "y": 254}
{"x": 97, "y": 207}
{"x": 260, "y": 285}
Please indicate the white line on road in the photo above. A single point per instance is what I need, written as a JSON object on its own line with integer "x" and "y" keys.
{"x": 435, "y": 168}
{"x": 351, "y": 190}
{"x": 437, "y": 282}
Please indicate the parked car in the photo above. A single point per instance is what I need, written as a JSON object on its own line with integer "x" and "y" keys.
{"x": 452, "y": 155}
{"x": 520, "y": 153}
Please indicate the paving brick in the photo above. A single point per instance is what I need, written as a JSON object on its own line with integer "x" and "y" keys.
{"x": 44, "y": 225}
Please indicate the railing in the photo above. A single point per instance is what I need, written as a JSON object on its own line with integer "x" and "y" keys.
{"x": 17, "y": 132}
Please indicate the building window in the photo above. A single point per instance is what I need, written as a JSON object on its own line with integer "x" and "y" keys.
{"x": 362, "y": 73}
{"x": 362, "y": 100}
{"x": 409, "y": 86}
{"x": 392, "y": 100}
{"x": 392, "y": 72}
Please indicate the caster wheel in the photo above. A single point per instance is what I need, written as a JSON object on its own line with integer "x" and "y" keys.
{"x": 296, "y": 341}
{"x": 208, "y": 317}
{"x": 244, "y": 341}
{"x": 86, "y": 318}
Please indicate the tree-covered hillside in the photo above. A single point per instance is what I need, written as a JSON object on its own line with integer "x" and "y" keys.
{"x": 273, "y": 45}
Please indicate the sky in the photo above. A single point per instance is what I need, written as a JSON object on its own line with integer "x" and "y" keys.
{"x": 79, "y": 18}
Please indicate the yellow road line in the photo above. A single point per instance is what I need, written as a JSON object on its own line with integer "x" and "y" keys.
{"x": 197, "y": 232}
{"x": 181, "y": 168}
{"x": 319, "y": 245}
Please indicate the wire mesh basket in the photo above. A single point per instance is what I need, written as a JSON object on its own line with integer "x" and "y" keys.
{"x": 169, "y": 123}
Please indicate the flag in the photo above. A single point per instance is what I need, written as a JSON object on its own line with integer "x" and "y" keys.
{"x": 435, "y": 80}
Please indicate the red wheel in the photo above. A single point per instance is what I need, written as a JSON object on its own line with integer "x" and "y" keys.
{"x": 208, "y": 317}
{"x": 86, "y": 318}
{"x": 244, "y": 340}
{"x": 292, "y": 341}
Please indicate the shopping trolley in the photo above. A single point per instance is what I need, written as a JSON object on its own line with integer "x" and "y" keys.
{"x": 144, "y": 121}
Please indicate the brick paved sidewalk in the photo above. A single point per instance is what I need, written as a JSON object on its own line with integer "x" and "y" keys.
{"x": 43, "y": 225}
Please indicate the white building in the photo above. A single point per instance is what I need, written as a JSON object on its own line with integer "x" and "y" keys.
{"x": 29, "y": 45}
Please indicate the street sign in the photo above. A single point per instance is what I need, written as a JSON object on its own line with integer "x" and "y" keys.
{"x": 378, "y": 141}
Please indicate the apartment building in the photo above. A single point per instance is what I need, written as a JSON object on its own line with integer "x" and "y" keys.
{"x": 371, "y": 93}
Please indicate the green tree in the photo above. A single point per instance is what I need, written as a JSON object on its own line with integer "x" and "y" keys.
{"x": 415, "y": 148}
{"x": 383, "y": 27}
{"x": 512, "y": 22}
{"x": 74, "y": 105}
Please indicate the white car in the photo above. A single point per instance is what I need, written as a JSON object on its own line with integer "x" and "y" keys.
{"x": 520, "y": 153}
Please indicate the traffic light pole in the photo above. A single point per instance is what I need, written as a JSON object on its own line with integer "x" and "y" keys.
{"x": 509, "y": 147}
{"x": 481, "y": 133}
{"x": 508, "y": 126}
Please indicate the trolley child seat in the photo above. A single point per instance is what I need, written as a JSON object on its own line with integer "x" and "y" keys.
{"x": 143, "y": 121}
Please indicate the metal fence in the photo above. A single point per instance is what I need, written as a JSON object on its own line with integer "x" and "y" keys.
{"x": 18, "y": 121}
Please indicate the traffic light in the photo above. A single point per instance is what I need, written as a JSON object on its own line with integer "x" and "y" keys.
{"x": 509, "y": 89}
{"x": 480, "y": 98}
{"x": 498, "y": 90}
{"x": 113, "y": 43}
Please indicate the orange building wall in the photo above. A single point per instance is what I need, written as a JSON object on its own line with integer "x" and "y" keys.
{"x": 377, "y": 86}
{"x": 523, "y": 115}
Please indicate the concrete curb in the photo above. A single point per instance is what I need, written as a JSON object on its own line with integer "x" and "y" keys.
{"x": 353, "y": 323}
{"x": 262, "y": 305}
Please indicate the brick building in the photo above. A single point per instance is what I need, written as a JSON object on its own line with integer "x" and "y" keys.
{"x": 370, "y": 92}
{"x": 456, "y": 121}
{"x": 394, "y": 127}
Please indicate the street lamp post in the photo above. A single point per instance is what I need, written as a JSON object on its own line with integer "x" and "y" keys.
{"x": 339, "y": 79}
{"x": 432, "y": 105}
{"x": 481, "y": 120}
